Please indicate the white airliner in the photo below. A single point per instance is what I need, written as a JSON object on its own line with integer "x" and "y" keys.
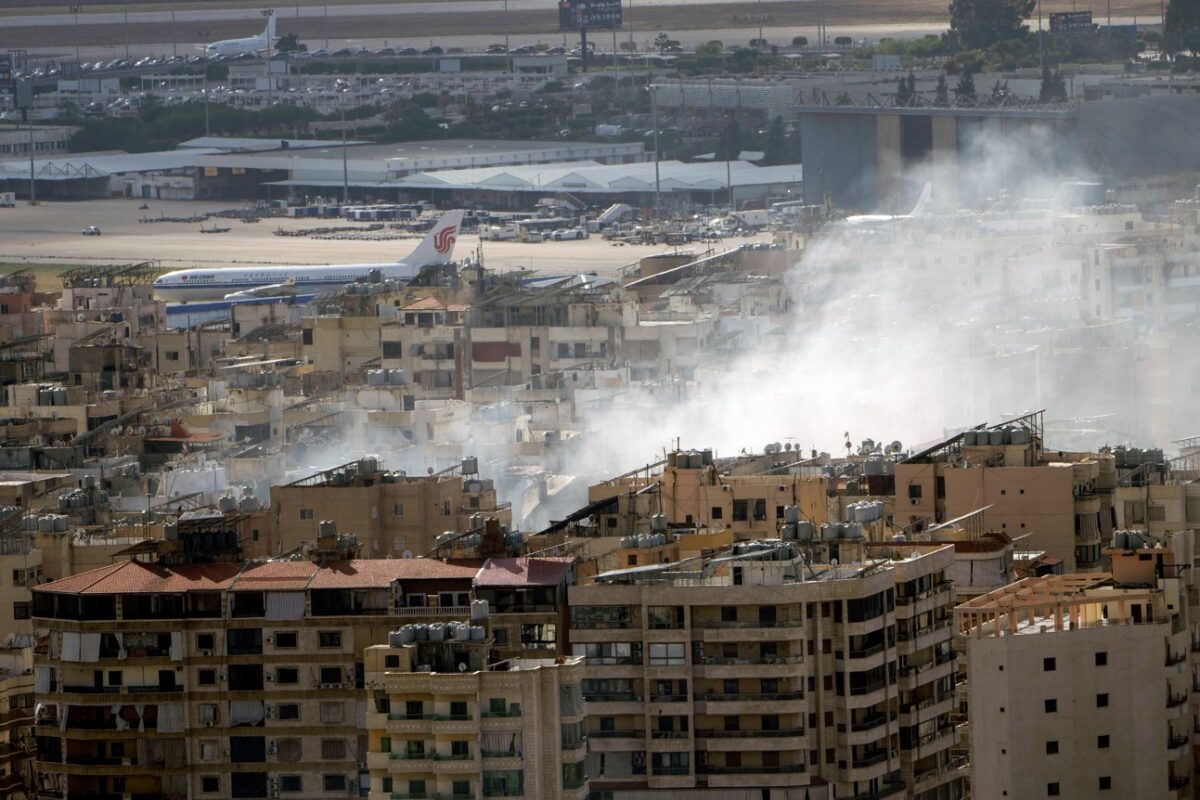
{"x": 229, "y": 48}
{"x": 217, "y": 284}
{"x": 921, "y": 209}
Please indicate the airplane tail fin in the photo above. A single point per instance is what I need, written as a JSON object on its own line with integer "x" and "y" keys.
{"x": 270, "y": 31}
{"x": 924, "y": 203}
{"x": 438, "y": 245}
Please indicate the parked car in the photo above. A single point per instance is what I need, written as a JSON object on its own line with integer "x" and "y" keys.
{"x": 91, "y": 230}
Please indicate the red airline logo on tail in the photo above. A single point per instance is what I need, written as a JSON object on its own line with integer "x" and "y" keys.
{"x": 444, "y": 239}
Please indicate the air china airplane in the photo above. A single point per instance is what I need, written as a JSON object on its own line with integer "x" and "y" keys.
{"x": 219, "y": 284}
{"x": 236, "y": 47}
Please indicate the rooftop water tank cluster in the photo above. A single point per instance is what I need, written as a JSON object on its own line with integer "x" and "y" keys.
{"x": 644, "y": 540}
{"x": 46, "y": 523}
{"x": 865, "y": 511}
{"x": 777, "y": 552}
{"x": 436, "y": 632}
{"x": 52, "y": 396}
{"x": 690, "y": 459}
{"x": 1009, "y": 434}
{"x": 386, "y": 377}
{"x": 1131, "y": 540}
{"x": 1129, "y": 457}
{"x": 835, "y": 531}
{"x": 78, "y": 498}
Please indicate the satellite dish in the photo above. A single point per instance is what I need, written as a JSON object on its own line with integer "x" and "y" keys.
{"x": 462, "y": 666}
{"x": 406, "y": 554}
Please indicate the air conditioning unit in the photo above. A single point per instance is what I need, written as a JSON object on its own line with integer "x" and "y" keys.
{"x": 206, "y": 653}
{"x": 208, "y": 723}
{"x": 362, "y": 765}
{"x": 331, "y": 686}
{"x": 270, "y": 677}
{"x": 273, "y": 748}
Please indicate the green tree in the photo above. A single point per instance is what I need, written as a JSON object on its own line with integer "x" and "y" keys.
{"x": 775, "y": 146}
{"x": 965, "y": 90}
{"x": 982, "y": 23}
{"x": 290, "y": 44}
{"x": 1182, "y": 23}
{"x": 713, "y": 48}
{"x": 662, "y": 41}
{"x": 1054, "y": 86}
{"x": 942, "y": 92}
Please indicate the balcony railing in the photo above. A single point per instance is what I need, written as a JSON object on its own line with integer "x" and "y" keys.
{"x": 1175, "y": 658}
{"x": 750, "y": 697}
{"x": 410, "y": 756}
{"x": 870, "y": 761}
{"x": 621, "y": 734}
{"x": 717, "y": 661}
{"x": 669, "y": 734}
{"x": 509, "y": 712}
{"x": 612, "y": 697}
{"x": 750, "y": 734}
{"x": 1177, "y": 740}
{"x": 867, "y": 652}
{"x": 716, "y": 624}
{"x": 781, "y": 769}
{"x": 908, "y": 636}
{"x": 869, "y": 723}
{"x": 431, "y": 611}
{"x": 672, "y": 771}
{"x": 1176, "y": 782}
{"x": 668, "y": 698}
{"x": 1176, "y": 700}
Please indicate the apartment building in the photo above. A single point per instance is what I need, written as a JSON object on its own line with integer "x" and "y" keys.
{"x": 761, "y": 670}
{"x": 691, "y": 491}
{"x": 448, "y": 720}
{"x": 20, "y": 569}
{"x": 1079, "y": 684}
{"x": 427, "y": 342}
{"x": 391, "y": 513}
{"x": 223, "y": 679}
{"x": 1062, "y": 500}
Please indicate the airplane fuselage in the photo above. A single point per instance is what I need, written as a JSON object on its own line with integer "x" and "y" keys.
{"x": 214, "y": 284}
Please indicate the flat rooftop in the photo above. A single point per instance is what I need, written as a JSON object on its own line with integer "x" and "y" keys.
{"x": 447, "y": 148}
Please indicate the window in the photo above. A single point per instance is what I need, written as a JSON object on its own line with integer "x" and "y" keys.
{"x": 1051, "y": 706}
{"x": 1102, "y": 700}
{"x": 173, "y": 355}
{"x": 286, "y": 640}
{"x": 210, "y": 784}
{"x": 291, "y": 783}
{"x": 760, "y": 509}
{"x": 290, "y": 750}
{"x": 397, "y": 509}
{"x": 332, "y": 712}
{"x": 287, "y": 675}
{"x": 1102, "y": 659}
{"x": 1105, "y": 783}
{"x": 1048, "y": 665}
{"x": 329, "y": 639}
{"x": 1051, "y": 748}
{"x": 21, "y": 610}
{"x": 333, "y": 749}
{"x": 331, "y": 674}
{"x": 728, "y": 613}
{"x": 717, "y": 512}
{"x": 1102, "y": 742}
{"x": 209, "y": 750}
{"x": 1052, "y": 790}
{"x": 306, "y": 514}
{"x": 206, "y": 641}
{"x": 288, "y": 711}
{"x": 207, "y": 677}
{"x": 458, "y": 747}
{"x": 334, "y": 783}
{"x": 914, "y": 491}
{"x": 668, "y": 654}
{"x": 741, "y": 510}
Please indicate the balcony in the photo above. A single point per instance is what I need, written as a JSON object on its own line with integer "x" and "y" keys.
{"x": 869, "y": 761}
{"x": 1177, "y": 782}
{"x": 781, "y": 769}
{"x": 668, "y": 698}
{"x": 669, "y": 771}
{"x": 1175, "y": 658}
{"x": 751, "y": 734}
{"x": 670, "y": 735}
{"x": 734, "y": 698}
{"x": 612, "y": 697}
{"x": 431, "y": 612}
{"x": 621, "y": 734}
{"x": 509, "y": 712}
{"x": 410, "y": 756}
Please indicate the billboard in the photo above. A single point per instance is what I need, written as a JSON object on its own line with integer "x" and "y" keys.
{"x": 574, "y": 15}
{"x": 1066, "y": 21}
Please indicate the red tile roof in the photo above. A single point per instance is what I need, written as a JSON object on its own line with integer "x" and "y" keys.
{"x": 524, "y": 571}
{"x": 433, "y": 304}
{"x": 134, "y": 577}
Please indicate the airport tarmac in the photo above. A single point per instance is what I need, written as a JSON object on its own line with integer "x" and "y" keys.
{"x": 51, "y": 234}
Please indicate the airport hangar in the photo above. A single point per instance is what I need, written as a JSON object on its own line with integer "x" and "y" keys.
{"x": 492, "y": 174}
{"x": 864, "y": 152}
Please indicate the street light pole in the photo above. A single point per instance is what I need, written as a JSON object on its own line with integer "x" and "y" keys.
{"x": 204, "y": 39}
{"x": 267, "y": 13}
{"x": 342, "y": 86}
{"x": 126, "y": 28}
{"x": 75, "y": 12}
{"x": 654, "y": 119}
